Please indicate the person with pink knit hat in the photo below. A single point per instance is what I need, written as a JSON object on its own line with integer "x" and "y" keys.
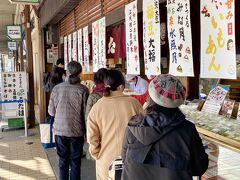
{"x": 161, "y": 144}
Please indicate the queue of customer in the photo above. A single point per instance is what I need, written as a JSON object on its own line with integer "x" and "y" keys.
{"x": 156, "y": 143}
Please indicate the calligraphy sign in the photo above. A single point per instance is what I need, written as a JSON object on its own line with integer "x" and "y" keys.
{"x": 86, "y": 49}
{"x": 74, "y": 49}
{"x": 99, "y": 44}
{"x": 69, "y": 47}
{"x": 151, "y": 37}
{"x": 180, "y": 38}
{"x": 133, "y": 64}
{"x": 95, "y": 41}
{"x": 80, "y": 47}
{"x": 102, "y": 43}
{"x": 218, "y": 51}
{"x": 65, "y": 51}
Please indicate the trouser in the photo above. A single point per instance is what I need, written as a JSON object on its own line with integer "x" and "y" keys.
{"x": 69, "y": 150}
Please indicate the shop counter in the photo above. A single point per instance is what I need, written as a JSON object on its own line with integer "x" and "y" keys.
{"x": 220, "y": 129}
{"x": 221, "y": 138}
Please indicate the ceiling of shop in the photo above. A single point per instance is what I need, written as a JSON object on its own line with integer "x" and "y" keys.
{"x": 7, "y": 11}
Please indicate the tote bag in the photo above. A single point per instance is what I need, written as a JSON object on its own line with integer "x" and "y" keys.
{"x": 47, "y": 136}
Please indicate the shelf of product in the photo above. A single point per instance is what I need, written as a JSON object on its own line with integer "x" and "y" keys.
{"x": 219, "y": 128}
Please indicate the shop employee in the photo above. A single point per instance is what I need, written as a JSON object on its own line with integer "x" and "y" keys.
{"x": 136, "y": 83}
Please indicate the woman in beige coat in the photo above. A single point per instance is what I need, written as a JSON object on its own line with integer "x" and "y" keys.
{"x": 107, "y": 122}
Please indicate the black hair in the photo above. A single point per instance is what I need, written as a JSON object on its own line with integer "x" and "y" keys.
{"x": 100, "y": 75}
{"x": 60, "y": 61}
{"x": 112, "y": 81}
{"x": 56, "y": 75}
{"x": 74, "y": 69}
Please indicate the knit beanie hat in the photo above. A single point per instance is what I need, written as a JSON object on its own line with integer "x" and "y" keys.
{"x": 167, "y": 91}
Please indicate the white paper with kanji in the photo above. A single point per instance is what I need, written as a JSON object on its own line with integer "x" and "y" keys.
{"x": 218, "y": 52}
{"x": 95, "y": 45}
{"x": 14, "y": 88}
{"x": 180, "y": 38}
{"x": 80, "y": 47}
{"x": 102, "y": 43}
{"x": 151, "y": 37}
{"x": 74, "y": 49}
{"x": 69, "y": 47}
{"x": 133, "y": 64}
{"x": 215, "y": 100}
{"x": 86, "y": 49}
{"x": 65, "y": 51}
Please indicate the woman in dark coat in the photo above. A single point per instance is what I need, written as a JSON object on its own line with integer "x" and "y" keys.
{"x": 161, "y": 144}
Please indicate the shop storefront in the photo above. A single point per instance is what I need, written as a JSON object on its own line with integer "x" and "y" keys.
{"x": 193, "y": 40}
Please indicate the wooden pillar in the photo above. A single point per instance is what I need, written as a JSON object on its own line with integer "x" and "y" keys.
{"x": 31, "y": 116}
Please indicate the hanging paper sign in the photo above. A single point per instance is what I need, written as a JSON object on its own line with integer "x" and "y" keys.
{"x": 95, "y": 42}
{"x": 218, "y": 52}
{"x": 86, "y": 49}
{"x": 65, "y": 51}
{"x": 69, "y": 47}
{"x": 74, "y": 49}
{"x": 180, "y": 38}
{"x": 102, "y": 43}
{"x": 133, "y": 64}
{"x": 80, "y": 47}
{"x": 151, "y": 37}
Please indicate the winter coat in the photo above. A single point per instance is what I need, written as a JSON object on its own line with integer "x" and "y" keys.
{"x": 92, "y": 99}
{"x": 160, "y": 147}
{"x": 68, "y": 104}
{"x": 106, "y": 126}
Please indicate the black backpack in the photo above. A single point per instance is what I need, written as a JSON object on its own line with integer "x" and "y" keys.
{"x": 46, "y": 81}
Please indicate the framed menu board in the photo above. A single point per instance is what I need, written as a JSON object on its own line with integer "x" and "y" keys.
{"x": 14, "y": 90}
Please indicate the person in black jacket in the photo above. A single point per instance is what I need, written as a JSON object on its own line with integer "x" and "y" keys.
{"x": 161, "y": 144}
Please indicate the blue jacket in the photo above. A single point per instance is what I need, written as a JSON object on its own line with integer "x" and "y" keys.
{"x": 162, "y": 147}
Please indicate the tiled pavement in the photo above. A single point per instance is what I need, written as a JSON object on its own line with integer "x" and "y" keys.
{"x": 88, "y": 166}
{"x": 23, "y": 158}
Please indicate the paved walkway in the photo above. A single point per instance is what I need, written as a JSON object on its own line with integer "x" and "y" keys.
{"x": 23, "y": 158}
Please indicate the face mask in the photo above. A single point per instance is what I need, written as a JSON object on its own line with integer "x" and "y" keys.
{"x": 132, "y": 83}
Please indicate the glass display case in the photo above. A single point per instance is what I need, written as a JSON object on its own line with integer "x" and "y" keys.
{"x": 221, "y": 139}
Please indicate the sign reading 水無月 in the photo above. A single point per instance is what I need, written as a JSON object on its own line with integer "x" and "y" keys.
{"x": 180, "y": 38}
{"x": 151, "y": 37}
{"x": 14, "y": 32}
{"x": 218, "y": 51}
{"x": 99, "y": 44}
{"x": 132, "y": 47}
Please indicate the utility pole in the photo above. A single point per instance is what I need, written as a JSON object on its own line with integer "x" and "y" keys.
{"x": 31, "y": 116}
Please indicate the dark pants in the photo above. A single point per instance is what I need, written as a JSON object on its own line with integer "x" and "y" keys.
{"x": 69, "y": 150}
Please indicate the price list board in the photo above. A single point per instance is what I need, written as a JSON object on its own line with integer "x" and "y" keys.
{"x": 14, "y": 89}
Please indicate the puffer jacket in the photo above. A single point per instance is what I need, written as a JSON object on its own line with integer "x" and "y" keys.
{"x": 161, "y": 147}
